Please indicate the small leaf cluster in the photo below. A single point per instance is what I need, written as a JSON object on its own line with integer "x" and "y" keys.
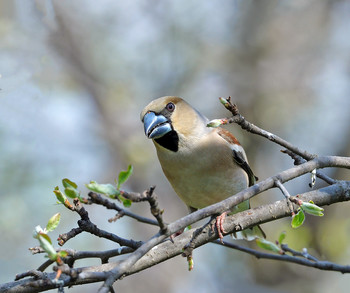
{"x": 110, "y": 190}
{"x": 70, "y": 190}
{"x": 271, "y": 246}
{"x": 113, "y": 191}
{"x": 306, "y": 207}
{"x": 45, "y": 241}
{"x": 297, "y": 220}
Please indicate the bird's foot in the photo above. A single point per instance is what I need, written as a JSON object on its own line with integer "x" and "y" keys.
{"x": 219, "y": 223}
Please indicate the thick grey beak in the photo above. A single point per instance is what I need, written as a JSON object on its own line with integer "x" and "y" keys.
{"x": 155, "y": 125}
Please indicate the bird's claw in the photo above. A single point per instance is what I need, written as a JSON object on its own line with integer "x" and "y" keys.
{"x": 219, "y": 224}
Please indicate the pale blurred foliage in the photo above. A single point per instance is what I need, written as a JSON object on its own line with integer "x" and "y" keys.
{"x": 75, "y": 76}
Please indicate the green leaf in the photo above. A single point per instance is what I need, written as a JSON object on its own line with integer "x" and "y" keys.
{"x": 46, "y": 244}
{"x": 126, "y": 202}
{"x": 70, "y": 188}
{"x": 71, "y": 192}
{"x": 107, "y": 189}
{"x": 282, "y": 237}
{"x": 53, "y": 222}
{"x": 298, "y": 219}
{"x": 312, "y": 209}
{"x": 44, "y": 235}
{"x": 63, "y": 253}
{"x": 124, "y": 176}
{"x": 62, "y": 198}
{"x": 68, "y": 183}
{"x": 59, "y": 195}
{"x": 267, "y": 245}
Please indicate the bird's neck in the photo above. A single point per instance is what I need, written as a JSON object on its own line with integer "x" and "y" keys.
{"x": 170, "y": 141}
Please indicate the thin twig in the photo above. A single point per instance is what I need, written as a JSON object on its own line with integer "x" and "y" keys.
{"x": 283, "y": 189}
{"x": 155, "y": 210}
{"x": 313, "y": 262}
{"x": 63, "y": 238}
{"x": 250, "y": 127}
{"x": 74, "y": 255}
{"x": 299, "y": 160}
{"x": 151, "y": 197}
{"x": 98, "y": 199}
{"x": 286, "y": 194}
{"x": 303, "y": 254}
{"x": 37, "y": 274}
{"x": 45, "y": 265}
{"x": 86, "y": 225}
{"x": 116, "y": 217}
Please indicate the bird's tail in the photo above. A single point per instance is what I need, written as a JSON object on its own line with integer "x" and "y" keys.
{"x": 250, "y": 233}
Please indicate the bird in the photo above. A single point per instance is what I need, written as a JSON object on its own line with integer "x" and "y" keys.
{"x": 203, "y": 165}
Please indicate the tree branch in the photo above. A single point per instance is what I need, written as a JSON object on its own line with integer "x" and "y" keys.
{"x": 250, "y": 127}
{"x": 98, "y": 199}
{"x": 86, "y": 225}
{"x": 225, "y": 205}
{"x": 74, "y": 255}
{"x": 331, "y": 194}
{"x": 157, "y": 249}
{"x": 299, "y": 160}
{"x": 301, "y": 260}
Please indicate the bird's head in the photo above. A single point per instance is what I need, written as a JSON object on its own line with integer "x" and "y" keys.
{"x": 169, "y": 119}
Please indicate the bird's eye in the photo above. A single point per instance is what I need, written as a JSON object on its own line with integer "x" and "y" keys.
{"x": 170, "y": 107}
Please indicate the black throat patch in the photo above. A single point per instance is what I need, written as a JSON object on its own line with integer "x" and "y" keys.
{"x": 169, "y": 141}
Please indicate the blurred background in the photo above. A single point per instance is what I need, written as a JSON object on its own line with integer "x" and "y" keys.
{"x": 74, "y": 76}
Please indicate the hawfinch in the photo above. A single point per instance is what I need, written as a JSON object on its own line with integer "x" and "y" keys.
{"x": 204, "y": 165}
